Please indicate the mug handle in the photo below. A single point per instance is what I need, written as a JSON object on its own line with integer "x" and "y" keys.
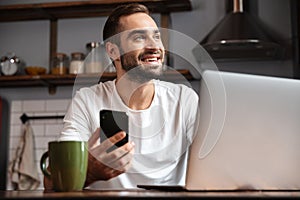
{"x": 43, "y": 165}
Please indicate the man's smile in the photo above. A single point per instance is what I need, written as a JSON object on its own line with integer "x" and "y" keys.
{"x": 151, "y": 59}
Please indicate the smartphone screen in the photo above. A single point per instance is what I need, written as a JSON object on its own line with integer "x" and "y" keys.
{"x": 112, "y": 122}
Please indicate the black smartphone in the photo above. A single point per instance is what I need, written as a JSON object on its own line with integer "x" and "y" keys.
{"x": 112, "y": 122}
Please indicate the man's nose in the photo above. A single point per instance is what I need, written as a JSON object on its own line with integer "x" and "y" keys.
{"x": 153, "y": 43}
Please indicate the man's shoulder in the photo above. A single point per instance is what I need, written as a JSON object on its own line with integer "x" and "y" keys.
{"x": 102, "y": 86}
{"x": 175, "y": 87}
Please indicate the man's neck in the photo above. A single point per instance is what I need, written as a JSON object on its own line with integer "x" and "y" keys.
{"x": 137, "y": 96}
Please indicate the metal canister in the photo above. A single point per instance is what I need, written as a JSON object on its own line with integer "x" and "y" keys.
{"x": 92, "y": 45}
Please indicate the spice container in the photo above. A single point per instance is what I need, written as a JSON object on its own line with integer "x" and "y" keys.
{"x": 60, "y": 64}
{"x": 76, "y": 64}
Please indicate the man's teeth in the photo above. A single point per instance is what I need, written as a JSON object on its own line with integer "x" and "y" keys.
{"x": 151, "y": 59}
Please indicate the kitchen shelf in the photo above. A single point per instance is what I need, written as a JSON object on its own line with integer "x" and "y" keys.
{"x": 50, "y": 80}
{"x": 79, "y": 9}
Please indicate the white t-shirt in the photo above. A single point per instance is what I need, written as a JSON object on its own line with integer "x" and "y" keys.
{"x": 161, "y": 133}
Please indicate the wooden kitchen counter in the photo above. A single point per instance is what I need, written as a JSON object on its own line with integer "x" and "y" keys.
{"x": 148, "y": 194}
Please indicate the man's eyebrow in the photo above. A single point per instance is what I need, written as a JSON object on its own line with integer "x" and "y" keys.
{"x": 156, "y": 31}
{"x": 141, "y": 31}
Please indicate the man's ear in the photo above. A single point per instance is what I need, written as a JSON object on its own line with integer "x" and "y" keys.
{"x": 112, "y": 51}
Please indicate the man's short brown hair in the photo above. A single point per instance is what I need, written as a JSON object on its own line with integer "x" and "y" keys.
{"x": 112, "y": 26}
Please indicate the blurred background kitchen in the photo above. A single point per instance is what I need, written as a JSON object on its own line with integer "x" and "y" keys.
{"x": 29, "y": 41}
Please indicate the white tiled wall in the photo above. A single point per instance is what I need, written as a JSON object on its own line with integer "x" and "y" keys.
{"x": 45, "y": 130}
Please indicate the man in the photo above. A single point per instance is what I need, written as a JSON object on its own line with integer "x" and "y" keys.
{"x": 161, "y": 115}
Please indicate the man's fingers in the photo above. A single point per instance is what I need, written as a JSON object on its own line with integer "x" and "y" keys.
{"x": 112, "y": 157}
{"x": 94, "y": 139}
{"x": 115, "y": 162}
{"x": 120, "y": 157}
{"x": 106, "y": 144}
{"x": 94, "y": 142}
{"x": 122, "y": 151}
{"x": 117, "y": 137}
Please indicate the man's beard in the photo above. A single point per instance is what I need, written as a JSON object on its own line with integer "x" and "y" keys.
{"x": 140, "y": 73}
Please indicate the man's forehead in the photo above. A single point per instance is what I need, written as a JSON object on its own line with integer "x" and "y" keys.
{"x": 146, "y": 30}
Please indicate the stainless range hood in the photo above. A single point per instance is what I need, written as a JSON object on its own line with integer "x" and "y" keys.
{"x": 240, "y": 36}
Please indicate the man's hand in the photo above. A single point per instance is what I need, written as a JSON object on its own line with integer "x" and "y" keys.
{"x": 103, "y": 165}
{"x": 48, "y": 185}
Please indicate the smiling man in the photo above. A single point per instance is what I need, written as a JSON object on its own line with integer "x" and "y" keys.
{"x": 162, "y": 115}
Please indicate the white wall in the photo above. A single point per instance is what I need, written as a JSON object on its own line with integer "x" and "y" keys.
{"x": 44, "y": 131}
{"x": 30, "y": 39}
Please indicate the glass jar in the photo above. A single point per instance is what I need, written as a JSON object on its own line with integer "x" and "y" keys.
{"x": 60, "y": 64}
{"x": 93, "y": 61}
{"x": 76, "y": 64}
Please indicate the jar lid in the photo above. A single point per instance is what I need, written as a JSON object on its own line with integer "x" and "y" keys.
{"x": 77, "y": 55}
{"x": 60, "y": 55}
{"x": 92, "y": 45}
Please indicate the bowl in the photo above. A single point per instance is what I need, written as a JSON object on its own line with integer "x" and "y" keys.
{"x": 35, "y": 70}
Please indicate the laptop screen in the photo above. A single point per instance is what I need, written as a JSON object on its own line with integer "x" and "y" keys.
{"x": 249, "y": 135}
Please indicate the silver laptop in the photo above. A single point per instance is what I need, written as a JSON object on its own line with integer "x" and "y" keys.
{"x": 249, "y": 137}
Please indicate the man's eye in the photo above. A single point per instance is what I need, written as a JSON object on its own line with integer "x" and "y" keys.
{"x": 157, "y": 37}
{"x": 139, "y": 37}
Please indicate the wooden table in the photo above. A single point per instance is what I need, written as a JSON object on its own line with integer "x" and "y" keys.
{"x": 148, "y": 194}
